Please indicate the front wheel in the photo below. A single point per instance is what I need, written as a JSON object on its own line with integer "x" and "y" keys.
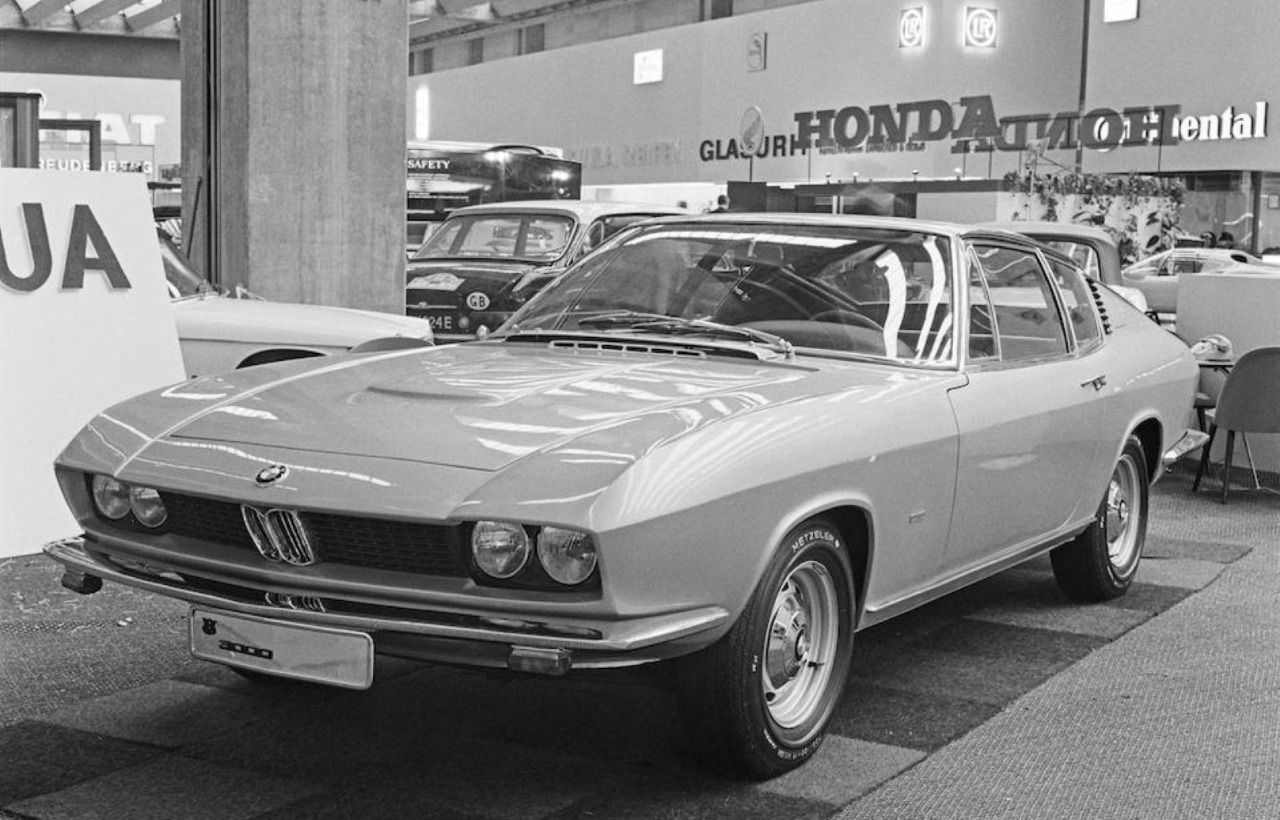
{"x": 1101, "y": 562}
{"x": 759, "y": 700}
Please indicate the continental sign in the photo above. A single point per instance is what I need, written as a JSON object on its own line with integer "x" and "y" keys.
{"x": 972, "y": 124}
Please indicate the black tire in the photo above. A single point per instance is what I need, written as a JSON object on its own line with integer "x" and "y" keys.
{"x": 1101, "y": 562}
{"x": 758, "y": 701}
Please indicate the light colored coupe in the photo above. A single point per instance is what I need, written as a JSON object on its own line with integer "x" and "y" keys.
{"x": 726, "y": 441}
{"x": 217, "y": 333}
{"x": 1156, "y": 276}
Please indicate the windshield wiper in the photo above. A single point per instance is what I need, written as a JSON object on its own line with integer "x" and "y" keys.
{"x": 678, "y": 326}
{"x": 621, "y": 317}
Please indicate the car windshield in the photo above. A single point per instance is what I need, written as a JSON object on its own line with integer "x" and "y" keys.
{"x": 826, "y": 289}
{"x": 183, "y": 281}
{"x": 540, "y": 238}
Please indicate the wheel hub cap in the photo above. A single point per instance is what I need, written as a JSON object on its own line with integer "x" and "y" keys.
{"x": 1123, "y": 503}
{"x": 1117, "y": 510}
{"x": 800, "y": 651}
{"x": 788, "y": 639}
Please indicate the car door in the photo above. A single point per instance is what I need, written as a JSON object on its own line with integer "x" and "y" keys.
{"x": 1028, "y": 416}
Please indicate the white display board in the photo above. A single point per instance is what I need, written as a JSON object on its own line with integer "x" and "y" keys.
{"x": 85, "y": 322}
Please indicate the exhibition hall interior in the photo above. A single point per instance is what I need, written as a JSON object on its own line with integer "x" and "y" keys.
{"x": 639, "y": 409}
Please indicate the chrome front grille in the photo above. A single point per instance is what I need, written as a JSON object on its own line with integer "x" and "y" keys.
{"x": 256, "y": 524}
{"x": 375, "y": 543}
{"x": 278, "y": 535}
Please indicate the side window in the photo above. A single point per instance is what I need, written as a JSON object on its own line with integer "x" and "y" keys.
{"x": 982, "y": 333}
{"x": 1186, "y": 264}
{"x": 613, "y": 224}
{"x": 1027, "y": 321}
{"x": 1078, "y": 301}
{"x": 595, "y": 235}
{"x": 545, "y": 238}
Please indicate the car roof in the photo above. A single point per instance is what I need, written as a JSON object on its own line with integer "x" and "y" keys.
{"x": 1235, "y": 255}
{"x": 581, "y": 209}
{"x": 889, "y": 223}
{"x": 1057, "y": 230}
{"x": 781, "y": 219}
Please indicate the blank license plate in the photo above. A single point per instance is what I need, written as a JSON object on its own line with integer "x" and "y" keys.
{"x": 321, "y": 654}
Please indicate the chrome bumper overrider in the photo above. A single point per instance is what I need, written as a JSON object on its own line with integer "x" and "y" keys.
{"x": 594, "y": 636}
{"x": 1190, "y": 441}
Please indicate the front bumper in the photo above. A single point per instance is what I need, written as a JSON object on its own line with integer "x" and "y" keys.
{"x": 495, "y": 640}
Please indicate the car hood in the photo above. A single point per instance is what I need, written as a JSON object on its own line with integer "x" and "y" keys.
{"x": 257, "y": 320}
{"x": 486, "y": 405}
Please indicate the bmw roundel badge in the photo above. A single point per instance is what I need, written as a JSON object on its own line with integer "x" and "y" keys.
{"x": 270, "y": 475}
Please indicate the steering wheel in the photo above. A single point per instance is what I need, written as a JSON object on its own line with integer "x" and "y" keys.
{"x": 846, "y": 317}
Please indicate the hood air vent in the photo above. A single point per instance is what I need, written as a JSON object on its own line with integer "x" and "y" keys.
{"x": 592, "y": 346}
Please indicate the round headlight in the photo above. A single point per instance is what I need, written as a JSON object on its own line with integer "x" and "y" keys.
{"x": 568, "y": 556}
{"x": 111, "y": 497}
{"x": 499, "y": 548}
{"x": 147, "y": 506}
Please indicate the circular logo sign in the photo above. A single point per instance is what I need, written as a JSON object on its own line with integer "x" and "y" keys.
{"x": 751, "y": 130}
{"x": 270, "y": 475}
{"x": 477, "y": 300}
{"x": 980, "y": 27}
{"x": 911, "y": 28}
{"x": 757, "y": 45}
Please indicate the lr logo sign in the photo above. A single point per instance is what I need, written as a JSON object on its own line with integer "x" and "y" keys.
{"x": 979, "y": 27}
{"x": 911, "y": 27}
{"x": 85, "y": 235}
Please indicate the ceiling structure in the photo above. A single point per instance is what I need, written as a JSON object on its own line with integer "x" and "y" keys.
{"x": 147, "y": 18}
{"x": 429, "y": 20}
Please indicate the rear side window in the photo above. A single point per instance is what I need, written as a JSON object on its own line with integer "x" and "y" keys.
{"x": 1025, "y": 317}
{"x": 1078, "y": 301}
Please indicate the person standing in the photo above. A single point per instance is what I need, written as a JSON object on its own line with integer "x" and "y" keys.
{"x": 722, "y": 205}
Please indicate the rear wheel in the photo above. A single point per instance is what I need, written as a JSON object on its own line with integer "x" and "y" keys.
{"x": 759, "y": 700}
{"x": 1101, "y": 562}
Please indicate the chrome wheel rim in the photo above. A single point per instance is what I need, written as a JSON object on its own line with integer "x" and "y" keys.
{"x": 1121, "y": 512}
{"x": 800, "y": 650}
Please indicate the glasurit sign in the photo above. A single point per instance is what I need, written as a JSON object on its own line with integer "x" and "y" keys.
{"x": 972, "y": 124}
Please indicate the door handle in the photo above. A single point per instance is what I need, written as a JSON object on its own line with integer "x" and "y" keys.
{"x": 1097, "y": 382}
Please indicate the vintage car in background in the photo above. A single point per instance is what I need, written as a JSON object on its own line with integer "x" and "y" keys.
{"x": 1089, "y": 246}
{"x": 727, "y": 442}
{"x": 1156, "y": 276}
{"x": 484, "y": 261}
{"x": 219, "y": 331}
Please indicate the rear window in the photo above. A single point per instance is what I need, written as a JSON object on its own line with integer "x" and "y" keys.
{"x": 525, "y": 237}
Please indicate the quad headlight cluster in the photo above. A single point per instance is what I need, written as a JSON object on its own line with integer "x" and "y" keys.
{"x": 504, "y": 551}
{"x": 114, "y": 499}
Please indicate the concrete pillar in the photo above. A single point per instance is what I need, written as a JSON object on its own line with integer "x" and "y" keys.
{"x": 293, "y": 132}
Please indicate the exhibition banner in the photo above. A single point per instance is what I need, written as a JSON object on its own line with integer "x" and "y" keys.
{"x": 85, "y": 322}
